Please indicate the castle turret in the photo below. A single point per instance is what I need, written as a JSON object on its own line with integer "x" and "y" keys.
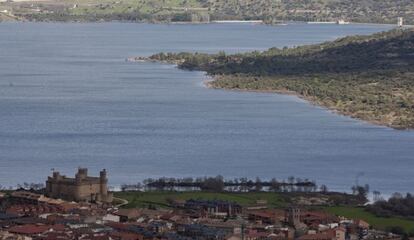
{"x": 56, "y": 175}
{"x": 81, "y": 175}
{"x": 50, "y": 191}
{"x": 103, "y": 182}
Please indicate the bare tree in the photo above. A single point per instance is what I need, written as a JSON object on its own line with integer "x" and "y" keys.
{"x": 324, "y": 188}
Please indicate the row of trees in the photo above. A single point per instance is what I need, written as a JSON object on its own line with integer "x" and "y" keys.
{"x": 218, "y": 183}
{"x": 26, "y": 186}
{"x": 397, "y": 205}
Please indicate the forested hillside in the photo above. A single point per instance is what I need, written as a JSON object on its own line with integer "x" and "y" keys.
{"x": 271, "y": 11}
{"x": 379, "y": 11}
{"x": 367, "y": 77}
{"x": 383, "y": 51}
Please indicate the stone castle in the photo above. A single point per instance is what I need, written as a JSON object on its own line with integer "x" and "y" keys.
{"x": 82, "y": 188}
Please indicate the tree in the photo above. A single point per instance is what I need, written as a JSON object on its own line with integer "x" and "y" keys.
{"x": 258, "y": 184}
{"x": 324, "y": 188}
{"x": 377, "y": 196}
{"x": 274, "y": 185}
{"x": 360, "y": 191}
{"x": 213, "y": 184}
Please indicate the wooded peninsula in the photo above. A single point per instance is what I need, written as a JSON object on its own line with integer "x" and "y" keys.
{"x": 366, "y": 77}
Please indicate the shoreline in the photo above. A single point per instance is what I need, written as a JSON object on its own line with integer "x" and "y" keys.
{"x": 208, "y": 84}
{"x": 215, "y": 22}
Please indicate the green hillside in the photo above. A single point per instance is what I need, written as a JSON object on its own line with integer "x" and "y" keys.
{"x": 378, "y": 11}
{"x": 366, "y": 77}
{"x": 375, "y": 11}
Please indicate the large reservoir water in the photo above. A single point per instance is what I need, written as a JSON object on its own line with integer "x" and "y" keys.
{"x": 68, "y": 98}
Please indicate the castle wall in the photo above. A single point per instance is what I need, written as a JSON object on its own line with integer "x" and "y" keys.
{"x": 61, "y": 190}
{"x": 88, "y": 192}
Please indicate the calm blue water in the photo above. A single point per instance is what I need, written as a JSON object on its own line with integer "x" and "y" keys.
{"x": 69, "y": 99}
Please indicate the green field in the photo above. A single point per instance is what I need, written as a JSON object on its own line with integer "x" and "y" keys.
{"x": 377, "y": 222}
{"x": 105, "y": 10}
{"x": 144, "y": 199}
{"x": 274, "y": 200}
{"x": 125, "y": 6}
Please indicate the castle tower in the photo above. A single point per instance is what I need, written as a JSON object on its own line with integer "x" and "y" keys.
{"x": 81, "y": 175}
{"x": 103, "y": 181}
{"x": 49, "y": 183}
{"x": 56, "y": 175}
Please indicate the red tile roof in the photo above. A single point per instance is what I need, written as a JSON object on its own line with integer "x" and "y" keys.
{"x": 118, "y": 226}
{"x": 29, "y": 229}
{"x": 265, "y": 214}
{"x": 317, "y": 236}
{"x": 126, "y": 236}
